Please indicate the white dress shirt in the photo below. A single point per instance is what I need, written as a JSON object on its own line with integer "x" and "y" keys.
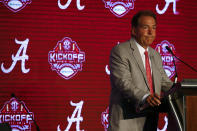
{"x": 142, "y": 50}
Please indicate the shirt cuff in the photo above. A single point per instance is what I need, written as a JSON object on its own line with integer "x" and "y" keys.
{"x": 142, "y": 104}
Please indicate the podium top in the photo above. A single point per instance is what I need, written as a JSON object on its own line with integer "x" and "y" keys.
{"x": 189, "y": 87}
{"x": 189, "y": 83}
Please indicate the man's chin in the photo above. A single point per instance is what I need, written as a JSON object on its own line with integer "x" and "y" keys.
{"x": 149, "y": 42}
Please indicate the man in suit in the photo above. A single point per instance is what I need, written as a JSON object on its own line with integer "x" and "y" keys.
{"x": 137, "y": 78}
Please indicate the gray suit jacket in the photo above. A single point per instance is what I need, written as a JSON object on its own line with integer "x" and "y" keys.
{"x": 129, "y": 85}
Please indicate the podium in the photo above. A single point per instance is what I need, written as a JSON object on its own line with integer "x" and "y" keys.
{"x": 189, "y": 91}
{"x": 184, "y": 105}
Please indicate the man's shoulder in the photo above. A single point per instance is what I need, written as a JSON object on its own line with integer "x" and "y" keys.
{"x": 121, "y": 49}
{"x": 123, "y": 45}
{"x": 154, "y": 52}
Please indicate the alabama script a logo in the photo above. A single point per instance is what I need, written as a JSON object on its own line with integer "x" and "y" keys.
{"x": 119, "y": 7}
{"x": 75, "y": 118}
{"x": 15, "y": 5}
{"x": 66, "y": 58}
{"x": 14, "y": 113}
{"x": 167, "y": 58}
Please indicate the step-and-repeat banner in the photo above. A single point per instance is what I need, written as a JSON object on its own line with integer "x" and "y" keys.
{"x": 54, "y": 57}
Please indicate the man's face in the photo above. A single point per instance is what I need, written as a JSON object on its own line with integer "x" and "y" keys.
{"x": 145, "y": 32}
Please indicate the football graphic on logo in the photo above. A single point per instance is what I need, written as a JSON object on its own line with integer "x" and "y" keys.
{"x": 16, "y": 5}
{"x": 119, "y": 7}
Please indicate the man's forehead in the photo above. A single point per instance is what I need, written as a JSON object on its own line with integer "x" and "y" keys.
{"x": 146, "y": 20}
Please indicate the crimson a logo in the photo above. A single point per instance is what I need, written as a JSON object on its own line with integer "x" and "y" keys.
{"x": 14, "y": 113}
{"x": 15, "y": 5}
{"x": 66, "y": 58}
{"x": 119, "y": 7}
{"x": 167, "y": 58}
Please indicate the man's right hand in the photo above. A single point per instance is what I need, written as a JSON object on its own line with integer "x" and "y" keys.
{"x": 153, "y": 100}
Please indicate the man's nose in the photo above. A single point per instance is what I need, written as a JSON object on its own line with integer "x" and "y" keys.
{"x": 150, "y": 31}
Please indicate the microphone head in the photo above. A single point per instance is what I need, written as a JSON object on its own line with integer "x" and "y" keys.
{"x": 13, "y": 95}
{"x": 169, "y": 50}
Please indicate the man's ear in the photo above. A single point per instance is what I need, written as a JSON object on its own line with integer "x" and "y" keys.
{"x": 133, "y": 31}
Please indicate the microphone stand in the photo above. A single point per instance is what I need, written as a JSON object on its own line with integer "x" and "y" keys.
{"x": 37, "y": 127}
{"x": 171, "y": 104}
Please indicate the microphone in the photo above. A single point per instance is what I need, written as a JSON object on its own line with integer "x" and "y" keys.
{"x": 169, "y": 50}
{"x": 13, "y": 95}
{"x": 37, "y": 127}
{"x": 176, "y": 75}
{"x": 180, "y": 59}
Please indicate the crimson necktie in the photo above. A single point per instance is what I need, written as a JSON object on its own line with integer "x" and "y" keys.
{"x": 148, "y": 72}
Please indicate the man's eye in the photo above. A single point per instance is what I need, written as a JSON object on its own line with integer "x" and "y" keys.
{"x": 145, "y": 27}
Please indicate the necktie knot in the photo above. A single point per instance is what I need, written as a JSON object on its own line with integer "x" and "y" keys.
{"x": 146, "y": 53}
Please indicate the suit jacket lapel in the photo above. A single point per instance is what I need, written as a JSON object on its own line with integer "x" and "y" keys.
{"x": 138, "y": 59}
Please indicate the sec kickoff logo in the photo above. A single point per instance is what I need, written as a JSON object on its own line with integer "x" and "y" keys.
{"x": 14, "y": 113}
{"x": 167, "y": 58}
{"x": 15, "y": 5}
{"x": 105, "y": 119}
{"x": 66, "y": 58}
{"x": 119, "y": 7}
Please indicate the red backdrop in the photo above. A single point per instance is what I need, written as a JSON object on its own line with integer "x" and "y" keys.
{"x": 95, "y": 29}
